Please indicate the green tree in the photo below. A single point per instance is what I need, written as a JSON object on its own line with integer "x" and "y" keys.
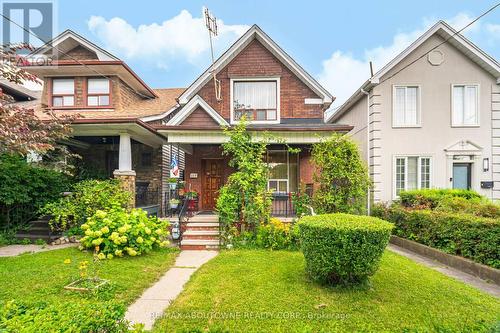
{"x": 342, "y": 176}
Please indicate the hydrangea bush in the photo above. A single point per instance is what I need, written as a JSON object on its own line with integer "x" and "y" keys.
{"x": 118, "y": 233}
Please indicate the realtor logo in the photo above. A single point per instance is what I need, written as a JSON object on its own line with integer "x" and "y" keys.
{"x": 29, "y": 23}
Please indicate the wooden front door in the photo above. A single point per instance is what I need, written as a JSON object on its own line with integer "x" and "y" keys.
{"x": 212, "y": 182}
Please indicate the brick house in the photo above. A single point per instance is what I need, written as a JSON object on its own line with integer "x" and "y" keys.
{"x": 130, "y": 130}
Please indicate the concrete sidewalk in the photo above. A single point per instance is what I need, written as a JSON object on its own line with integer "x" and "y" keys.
{"x": 15, "y": 250}
{"x": 158, "y": 297}
{"x": 471, "y": 280}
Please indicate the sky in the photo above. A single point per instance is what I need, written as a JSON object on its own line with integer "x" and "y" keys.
{"x": 166, "y": 43}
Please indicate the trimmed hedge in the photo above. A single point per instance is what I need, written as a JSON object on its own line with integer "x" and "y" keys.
{"x": 469, "y": 236}
{"x": 342, "y": 248}
{"x": 431, "y": 198}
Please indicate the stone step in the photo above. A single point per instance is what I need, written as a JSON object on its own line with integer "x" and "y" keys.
{"x": 197, "y": 232}
{"x": 204, "y": 218}
{"x": 193, "y": 225}
{"x": 199, "y": 247}
{"x": 199, "y": 244}
{"x": 200, "y": 237}
{"x": 33, "y": 238}
{"x": 39, "y": 223}
{"x": 205, "y": 242}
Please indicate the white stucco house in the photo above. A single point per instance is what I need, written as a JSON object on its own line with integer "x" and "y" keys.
{"x": 430, "y": 118}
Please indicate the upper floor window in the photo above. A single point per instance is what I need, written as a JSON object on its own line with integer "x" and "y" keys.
{"x": 98, "y": 92}
{"x": 258, "y": 100}
{"x": 63, "y": 92}
{"x": 406, "y": 107}
{"x": 465, "y": 105}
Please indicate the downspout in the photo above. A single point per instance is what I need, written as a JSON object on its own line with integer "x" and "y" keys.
{"x": 368, "y": 192}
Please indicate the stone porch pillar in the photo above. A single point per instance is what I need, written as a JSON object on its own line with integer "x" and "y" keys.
{"x": 125, "y": 173}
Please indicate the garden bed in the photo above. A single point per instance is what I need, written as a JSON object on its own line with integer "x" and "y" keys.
{"x": 255, "y": 291}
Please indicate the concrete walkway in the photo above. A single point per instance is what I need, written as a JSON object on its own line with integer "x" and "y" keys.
{"x": 15, "y": 250}
{"x": 157, "y": 298}
{"x": 471, "y": 280}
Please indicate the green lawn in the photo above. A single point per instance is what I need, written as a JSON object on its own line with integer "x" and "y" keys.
{"x": 256, "y": 291}
{"x": 42, "y": 276}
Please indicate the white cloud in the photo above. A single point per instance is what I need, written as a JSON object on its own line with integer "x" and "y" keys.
{"x": 343, "y": 73}
{"x": 494, "y": 30}
{"x": 182, "y": 37}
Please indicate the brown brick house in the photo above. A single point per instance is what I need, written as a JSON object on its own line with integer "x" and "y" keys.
{"x": 130, "y": 130}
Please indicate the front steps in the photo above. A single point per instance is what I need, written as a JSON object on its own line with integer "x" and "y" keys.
{"x": 38, "y": 230}
{"x": 201, "y": 233}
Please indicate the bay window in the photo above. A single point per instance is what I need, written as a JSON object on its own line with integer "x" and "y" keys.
{"x": 63, "y": 92}
{"x": 98, "y": 92}
{"x": 465, "y": 111}
{"x": 283, "y": 171}
{"x": 411, "y": 173}
{"x": 406, "y": 106}
{"x": 257, "y": 100}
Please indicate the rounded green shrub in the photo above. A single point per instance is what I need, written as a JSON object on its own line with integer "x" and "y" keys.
{"x": 117, "y": 232}
{"x": 342, "y": 248}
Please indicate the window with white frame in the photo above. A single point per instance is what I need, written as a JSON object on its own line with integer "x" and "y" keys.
{"x": 255, "y": 99}
{"x": 465, "y": 110}
{"x": 411, "y": 173}
{"x": 406, "y": 106}
{"x": 98, "y": 92}
{"x": 63, "y": 92}
{"x": 283, "y": 171}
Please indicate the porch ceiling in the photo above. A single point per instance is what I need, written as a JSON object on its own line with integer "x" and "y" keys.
{"x": 217, "y": 136}
{"x": 138, "y": 131}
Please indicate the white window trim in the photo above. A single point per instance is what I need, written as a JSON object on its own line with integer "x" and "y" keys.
{"x": 278, "y": 98}
{"x": 478, "y": 112}
{"x": 419, "y": 165}
{"x": 419, "y": 106}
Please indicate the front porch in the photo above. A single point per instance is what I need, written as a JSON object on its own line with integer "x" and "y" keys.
{"x": 126, "y": 152}
{"x": 207, "y": 170}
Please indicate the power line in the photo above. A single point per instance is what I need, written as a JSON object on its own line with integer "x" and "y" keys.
{"x": 71, "y": 57}
{"x": 445, "y": 41}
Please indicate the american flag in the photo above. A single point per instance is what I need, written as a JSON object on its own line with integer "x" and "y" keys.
{"x": 174, "y": 167}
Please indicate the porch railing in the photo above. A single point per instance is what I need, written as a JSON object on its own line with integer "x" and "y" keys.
{"x": 147, "y": 197}
{"x": 282, "y": 205}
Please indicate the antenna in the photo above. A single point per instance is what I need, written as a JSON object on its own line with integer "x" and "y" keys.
{"x": 211, "y": 25}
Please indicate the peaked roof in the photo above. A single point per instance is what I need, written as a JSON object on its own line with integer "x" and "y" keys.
{"x": 193, "y": 105}
{"x": 464, "y": 45}
{"x": 68, "y": 39}
{"x": 255, "y": 32}
{"x": 106, "y": 63}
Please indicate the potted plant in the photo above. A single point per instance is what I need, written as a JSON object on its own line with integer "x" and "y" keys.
{"x": 172, "y": 183}
{"x": 174, "y": 203}
{"x": 192, "y": 194}
{"x": 180, "y": 187}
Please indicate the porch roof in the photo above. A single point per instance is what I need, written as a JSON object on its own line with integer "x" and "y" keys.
{"x": 299, "y": 134}
{"x": 138, "y": 130}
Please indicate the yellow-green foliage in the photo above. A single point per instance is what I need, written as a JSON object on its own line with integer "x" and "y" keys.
{"x": 277, "y": 235}
{"x": 117, "y": 232}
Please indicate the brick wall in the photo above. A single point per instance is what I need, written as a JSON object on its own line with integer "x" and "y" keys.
{"x": 79, "y": 53}
{"x": 254, "y": 61}
{"x": 193, "y": 164}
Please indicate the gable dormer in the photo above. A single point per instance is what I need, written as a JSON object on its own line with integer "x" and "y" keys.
{"x": 260, "y": 81}
{"x": 79, "y": 75}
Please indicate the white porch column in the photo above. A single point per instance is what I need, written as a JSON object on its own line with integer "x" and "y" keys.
{"x": 125, "y": 153}
{"x": 125, "y": 172}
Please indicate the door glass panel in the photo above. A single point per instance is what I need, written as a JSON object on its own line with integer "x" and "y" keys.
{"x": 461, "y": 176}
